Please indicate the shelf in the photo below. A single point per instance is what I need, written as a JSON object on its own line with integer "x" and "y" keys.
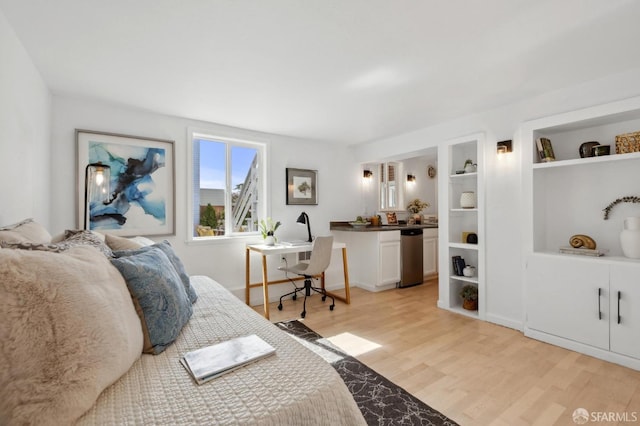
{"x": 462, "y": 175}
{"x": 589, "y": 160}
{"x": 465, "y": 279}
{"x": 464, "y": 210}
{"x": 605, "y": 258}
{"x": 466, "y": 312}
{"x": 464, "y": 246}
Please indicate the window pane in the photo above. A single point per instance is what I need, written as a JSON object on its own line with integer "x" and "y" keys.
{"x": 210, "y": 187}
{"x": 244, "y": 188}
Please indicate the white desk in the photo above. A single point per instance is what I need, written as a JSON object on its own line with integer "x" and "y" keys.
{"x": 266, "y": 250}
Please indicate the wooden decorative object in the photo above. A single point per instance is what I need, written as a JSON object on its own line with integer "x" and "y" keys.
{"x": 628, "y": 142}
{"x": 582, "y": 241}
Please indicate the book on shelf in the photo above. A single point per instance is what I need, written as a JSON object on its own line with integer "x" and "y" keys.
{"x": 458, "y": 265}
{"x": 583, "y": 251}
{"x": 213, "y": 361}
{"x": 545, "y": 149}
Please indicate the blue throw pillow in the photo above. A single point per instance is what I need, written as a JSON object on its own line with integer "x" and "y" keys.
{"x": 159, "y": 296}
{"x": 173, "y": 258}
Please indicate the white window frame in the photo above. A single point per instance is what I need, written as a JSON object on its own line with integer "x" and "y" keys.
{"x": 263, "y": 207}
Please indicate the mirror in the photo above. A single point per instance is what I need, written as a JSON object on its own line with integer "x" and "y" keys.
{"x": 389, "y": 184}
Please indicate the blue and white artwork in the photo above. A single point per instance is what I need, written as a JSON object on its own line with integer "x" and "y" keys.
{"x": 140, "y": 198}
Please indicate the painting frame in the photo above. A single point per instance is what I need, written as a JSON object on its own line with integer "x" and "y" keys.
{"x": 302, "y": 178}
{"x": 153, "y": 213}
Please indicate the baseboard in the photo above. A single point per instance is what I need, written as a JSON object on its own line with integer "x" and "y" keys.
{"x": 602, "y": 354}
{"x": 505, "y": 322}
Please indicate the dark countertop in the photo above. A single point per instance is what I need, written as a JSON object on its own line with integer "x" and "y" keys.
{"x": 344, "y": 226}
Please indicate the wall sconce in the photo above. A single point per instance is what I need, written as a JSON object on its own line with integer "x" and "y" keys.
{"x": 411, "y": 178}
{"x": 97, "y": 178}
{"x": 367, "y": 174}
{"x": 504, "y": 147}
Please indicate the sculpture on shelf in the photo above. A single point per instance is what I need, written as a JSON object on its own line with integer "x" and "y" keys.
{"x": 582, "y": 241}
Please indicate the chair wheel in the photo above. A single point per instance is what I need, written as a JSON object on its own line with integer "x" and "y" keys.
{"x": 280, "y": 307}
{"x": 294, "y": 297}
{"x": 331, "y": 307}
{"x": 324, "y": 298}
{"x": 303, "y": 314}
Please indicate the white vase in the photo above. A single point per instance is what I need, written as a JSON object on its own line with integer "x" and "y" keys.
{"x": 468, "y": 200}
{"x": 630, "y": 238}
{"x": 469, "y": 271}
{"x": 269, "y": 240}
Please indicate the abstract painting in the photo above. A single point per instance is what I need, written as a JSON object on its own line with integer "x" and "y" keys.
{"x": 302, "y": 186}
{"x": 141, "y": 195}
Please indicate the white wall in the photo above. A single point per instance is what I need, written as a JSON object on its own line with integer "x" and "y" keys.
{"x": 25, "y": 114}
{"x": 502, "y": 185}
{"x": 338, "y": 182}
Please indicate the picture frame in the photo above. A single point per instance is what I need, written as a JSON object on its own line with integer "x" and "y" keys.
{"x": 302, "y": 187}
{"x": 141, "y": 195}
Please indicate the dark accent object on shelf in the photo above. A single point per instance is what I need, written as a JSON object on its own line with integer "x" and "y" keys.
{"x": 472, "y": 238}
{"x": 381, "y": 401}
{"x": 586, "y": 149}
{"x": 627, "y": 199}
{"x": 600, "y": 150}
{"x": 469, "y": 295}
{"x": 582, "y": 241}
{"x": 458, "y": 265}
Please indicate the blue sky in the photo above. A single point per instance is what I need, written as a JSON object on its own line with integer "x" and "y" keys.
{"x": 212, "y": 164}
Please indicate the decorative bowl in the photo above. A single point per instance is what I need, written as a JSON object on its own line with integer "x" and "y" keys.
{"x": 586, "y": 149}
{"x": 357, "y": 224}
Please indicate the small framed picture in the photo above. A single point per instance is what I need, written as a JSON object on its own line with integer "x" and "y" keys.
{"x": 392, "y": 218}
{"x": 545, "y": 150}
{"x": 302, "y": 186}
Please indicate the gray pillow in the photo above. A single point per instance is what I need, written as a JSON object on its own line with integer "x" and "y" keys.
{"x": 158, "y": 295}
{"x": 26, "y": 231}
{"x": 173, "y": 258}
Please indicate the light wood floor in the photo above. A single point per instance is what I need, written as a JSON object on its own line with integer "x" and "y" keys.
{"x": 475, "y": 372}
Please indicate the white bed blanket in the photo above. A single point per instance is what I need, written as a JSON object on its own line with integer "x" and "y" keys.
{"x": 294, "y": 387}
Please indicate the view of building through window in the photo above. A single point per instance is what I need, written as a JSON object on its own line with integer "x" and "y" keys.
{"x": 226, "y": 187}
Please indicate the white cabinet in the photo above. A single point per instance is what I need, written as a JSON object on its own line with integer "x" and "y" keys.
{"x": 625, "y": 310}
{"x": 389, "y": 259}
{"x": 571, "y": 300}
{"x": 430, "y": 252}
{"x": 594, "y": 303}
{"x": 374, "y": 258}
{"x": 456, "y": 220}
{"x": 568, "y": 298}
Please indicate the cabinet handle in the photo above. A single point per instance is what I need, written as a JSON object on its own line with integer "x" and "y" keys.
{"x": 619, "y": 308}
{"x": 599, "y": 310}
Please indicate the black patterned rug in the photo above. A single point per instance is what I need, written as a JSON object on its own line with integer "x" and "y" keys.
{"x": 381, "y": 401}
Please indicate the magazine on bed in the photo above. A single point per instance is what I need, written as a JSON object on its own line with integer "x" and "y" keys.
{"x": 213, "y": 361}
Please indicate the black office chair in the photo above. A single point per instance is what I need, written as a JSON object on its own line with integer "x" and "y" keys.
{"x": 318, "y": 263}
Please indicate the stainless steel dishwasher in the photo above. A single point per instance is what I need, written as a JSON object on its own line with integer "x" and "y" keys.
{"x": 411, "y": 253}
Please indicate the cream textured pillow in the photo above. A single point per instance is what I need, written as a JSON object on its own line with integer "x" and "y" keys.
{"x": 68, "y": 330}
{"x": 26, "y": 231}
{"x": 120, "y": 243}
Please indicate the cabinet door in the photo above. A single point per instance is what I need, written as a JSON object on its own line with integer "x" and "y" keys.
{"x": 389, "y": 262}
{"x": 430, "y": 256}
{"x": 568, "y": 297}
{"x": 625, "y": 309}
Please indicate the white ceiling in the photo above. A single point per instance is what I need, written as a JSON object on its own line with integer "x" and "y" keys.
{"x": 347, "y": 71}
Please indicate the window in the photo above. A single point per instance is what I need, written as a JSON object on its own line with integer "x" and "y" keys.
{"x": 390, "y": 194}
{"x": 228, "y": 186}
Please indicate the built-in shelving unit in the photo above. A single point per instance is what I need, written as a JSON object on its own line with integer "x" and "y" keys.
{"x": 455, "y": 220}
{"x": 587, "y": 304}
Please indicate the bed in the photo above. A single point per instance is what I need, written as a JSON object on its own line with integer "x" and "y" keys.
{"x": 93, "y": 328}
{"x": 293, "y": 387}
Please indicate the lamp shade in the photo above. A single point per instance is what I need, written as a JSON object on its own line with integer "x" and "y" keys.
{"x": 97, "y": 179}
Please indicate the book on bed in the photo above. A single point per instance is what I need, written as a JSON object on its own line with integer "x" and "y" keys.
{"x": 213, "y": 361}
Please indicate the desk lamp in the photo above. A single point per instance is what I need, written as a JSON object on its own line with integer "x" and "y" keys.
{"x": 302, "y": 219}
